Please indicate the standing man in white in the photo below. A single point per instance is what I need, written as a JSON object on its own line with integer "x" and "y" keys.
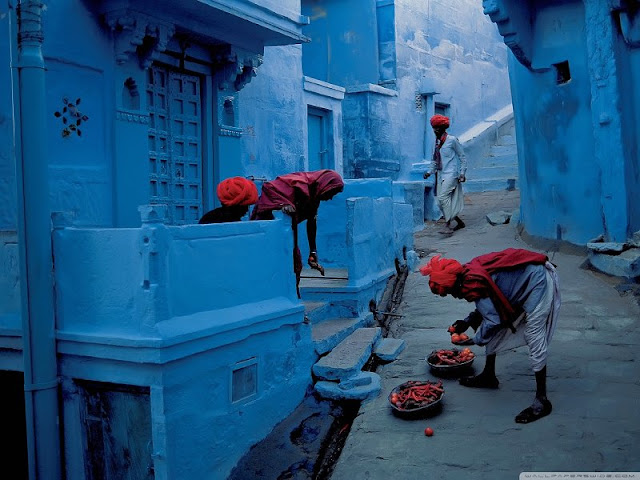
{"x": 450, "y": 166}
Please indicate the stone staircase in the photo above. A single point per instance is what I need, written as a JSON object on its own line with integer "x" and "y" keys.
{"x": 492, "y": 154}
{"x": 344, "y": 339}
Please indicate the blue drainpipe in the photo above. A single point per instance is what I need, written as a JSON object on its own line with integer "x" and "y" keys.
{"x": 34, "y": 240}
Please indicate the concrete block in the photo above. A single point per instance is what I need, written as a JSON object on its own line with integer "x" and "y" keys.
{"x": 603, "y": 247}
{"x": 626, "y": 264}
{"x": 332, "y": 390}
{"x": 412, "y": 260}
{"x": 349, "y": 356}
{"x": 498, "y": 218}
{"x": 388, "y": 349}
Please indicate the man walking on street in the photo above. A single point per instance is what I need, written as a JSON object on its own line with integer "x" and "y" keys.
{"x": 450, "y": 166}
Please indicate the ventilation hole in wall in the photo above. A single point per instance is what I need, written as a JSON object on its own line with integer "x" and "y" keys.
{"x": 228, "y": 116}
{"x": 130, "y": 95}
{"x": 563, "y": 74}
{"x": 244, "y": 379}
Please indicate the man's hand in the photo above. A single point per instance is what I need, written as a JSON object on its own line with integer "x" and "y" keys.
{"x": 459, "y": 326}
{"x": 426, "y": 175}
{"x": 313, "y": 263}
{"x": 462, "y": 178}
{"x": 289, "y": 209}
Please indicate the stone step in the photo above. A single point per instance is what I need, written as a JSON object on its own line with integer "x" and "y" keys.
{"x": 502, "y": 150}
{"x": 362, "y": 386}
{"x": 493, "y": 171}
{"x": 333, "y": 277}
{"x": 316, "y": 311}
{"x": 329, "y": 333}
{"x": 506, "y": 140}
{"x": 490, "y": 185}
{"x": 349, "y": 356}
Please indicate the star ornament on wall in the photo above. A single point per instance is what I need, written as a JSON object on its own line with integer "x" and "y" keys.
{"x": 71, "y": 117}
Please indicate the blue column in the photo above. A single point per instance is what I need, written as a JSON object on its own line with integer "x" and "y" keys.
{"x": 34, "y": 235}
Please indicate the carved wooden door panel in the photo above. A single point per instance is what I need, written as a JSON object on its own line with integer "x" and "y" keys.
{"x": 175, "y": 143}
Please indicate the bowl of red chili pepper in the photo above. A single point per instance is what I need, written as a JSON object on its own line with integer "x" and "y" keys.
{"x": 416, "y": 398}
{"x": 449, "y": 362}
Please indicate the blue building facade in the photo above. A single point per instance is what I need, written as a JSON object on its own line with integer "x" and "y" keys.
{"x": 174, "y": 346}
{"x": 573, "y": 71}
{"x": 400, "y": 62}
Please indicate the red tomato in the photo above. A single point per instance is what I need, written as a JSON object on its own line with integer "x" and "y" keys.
{"x": 394, "y": 398}
{"x": 428, "y": 431}
{"x": 455, "y": 338}
{"x": 463, "y": 337}
{"x": 452, "y": 329}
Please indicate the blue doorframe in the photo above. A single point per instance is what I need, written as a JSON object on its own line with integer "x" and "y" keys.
{"x": 320, "y": 145}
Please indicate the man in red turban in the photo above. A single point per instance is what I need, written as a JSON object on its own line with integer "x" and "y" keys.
{"x": 299, "y": 195}
{"x": 236, "y": 194}
{"x": 517, "y": 301}
{"x": 449, "y": 163}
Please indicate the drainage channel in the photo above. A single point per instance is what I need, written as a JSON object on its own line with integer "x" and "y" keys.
{"x": 308, "y": 444}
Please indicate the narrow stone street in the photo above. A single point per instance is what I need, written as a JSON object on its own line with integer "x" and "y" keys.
{"x": 593, "y": 376}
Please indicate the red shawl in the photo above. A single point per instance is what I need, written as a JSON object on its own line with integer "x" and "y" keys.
{"x": 477, "y": 282}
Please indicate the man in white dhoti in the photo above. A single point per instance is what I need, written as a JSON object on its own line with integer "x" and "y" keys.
{"x": 517, "y": 302}
{"x": 450, "y": 166}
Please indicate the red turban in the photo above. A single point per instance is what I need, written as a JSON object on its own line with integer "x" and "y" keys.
{"x": 237, "y": 191}
{"x": 440, "y": 121}
{"x": 443, "y": 273}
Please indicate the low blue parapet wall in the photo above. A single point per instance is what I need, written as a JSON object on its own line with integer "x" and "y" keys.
{"x": 204, "y": 316}
{"x": 377, "y": 218}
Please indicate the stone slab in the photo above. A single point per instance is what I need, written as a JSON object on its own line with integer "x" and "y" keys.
{"x": 498, "y": 218}
{"x": 349, "y": 356}
{"x": 388, "y": 349}
{"x": 332, "y": 390}
{"x": 329, "y": 333}
{"x": 626, "y": 264}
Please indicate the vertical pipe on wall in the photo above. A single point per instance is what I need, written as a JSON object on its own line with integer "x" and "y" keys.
{"x": 34, "y": 238}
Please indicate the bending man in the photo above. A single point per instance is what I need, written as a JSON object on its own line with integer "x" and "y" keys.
{"x": 517, "y": 302}
{"x": 299, "y": 195}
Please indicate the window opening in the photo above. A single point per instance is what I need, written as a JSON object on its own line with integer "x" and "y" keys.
{"x": 563, "y": 74}
{"x": 441, "y": 109}
{"x": 244, "y": 379}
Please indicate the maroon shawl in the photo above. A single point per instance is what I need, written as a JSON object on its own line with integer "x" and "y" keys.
{"x": 302, "y": 190}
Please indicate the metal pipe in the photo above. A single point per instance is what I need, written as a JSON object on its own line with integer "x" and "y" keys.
{"x": 34, "y": 239}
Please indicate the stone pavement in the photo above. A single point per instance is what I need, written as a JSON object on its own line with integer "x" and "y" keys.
{"x": 593, "y": 377}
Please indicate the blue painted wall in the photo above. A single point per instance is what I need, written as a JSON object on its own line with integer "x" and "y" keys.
{"x": 423, "y": 52}
{"x": 142, "y": 303}
{"x": 343, "y": 48}
{"x": 272, "y": 116}
{"x": 577, "y": 139}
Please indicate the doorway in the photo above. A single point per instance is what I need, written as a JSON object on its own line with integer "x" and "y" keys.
{"x": 319, "y": 140}
{"x": 175, "y": 143}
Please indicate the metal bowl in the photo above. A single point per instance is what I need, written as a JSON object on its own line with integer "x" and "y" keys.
{"x": 421, "y": 411}
{"x": 448, "y": 370}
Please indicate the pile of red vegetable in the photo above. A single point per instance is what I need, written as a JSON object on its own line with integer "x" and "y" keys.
{"x": 451, "y": 357}
{"x": 416, "y": 394}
